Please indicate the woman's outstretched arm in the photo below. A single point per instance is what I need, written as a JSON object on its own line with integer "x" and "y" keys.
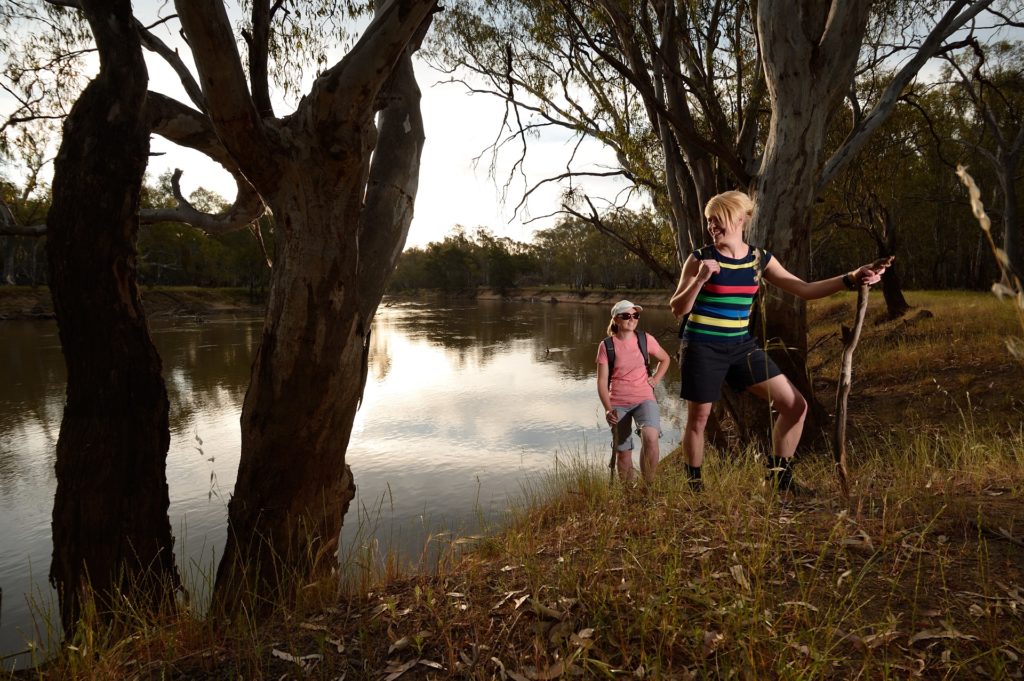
{"x": 778, "y": 275}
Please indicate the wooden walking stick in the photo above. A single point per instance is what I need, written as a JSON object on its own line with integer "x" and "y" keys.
{"x": 850, "y": 339}
{"x": 611, "y": 464}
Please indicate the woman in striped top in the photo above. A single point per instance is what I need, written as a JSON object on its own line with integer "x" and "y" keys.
{"x": 717, "y": 290}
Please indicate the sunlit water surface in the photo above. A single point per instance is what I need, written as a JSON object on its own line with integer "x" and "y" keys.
{"x": 465, "y": 404}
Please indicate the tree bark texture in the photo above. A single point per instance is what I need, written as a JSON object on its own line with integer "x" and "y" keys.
{"x": 809, "y": 51}
{"x": 111, "y": 532}
{"x": 341, "y": 190}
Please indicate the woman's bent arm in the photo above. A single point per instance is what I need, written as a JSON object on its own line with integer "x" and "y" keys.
{"x": 686, "y": 291}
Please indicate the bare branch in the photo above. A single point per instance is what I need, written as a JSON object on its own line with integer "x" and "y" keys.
{"x": 152, "y": 43}
{"x": 187, "y": 127}
{"x": 570, "y": 175}
{"x": 959, "y": 13}
{"x": 247, "y": 209}
{"x": 10, "y": 227}
{"x": 259, "y": 44}
{"x": 234, "y": 115}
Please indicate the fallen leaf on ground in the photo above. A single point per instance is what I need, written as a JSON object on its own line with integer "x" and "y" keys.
{"x": 928, "y": 634}
{"x": 740, "y": 575}
{"x": 400, "y": 645}
{"x": 394, "y": 669}
{"x": 301, "y": 660}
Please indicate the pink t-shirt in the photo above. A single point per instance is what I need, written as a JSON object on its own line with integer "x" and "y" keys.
{"x": 629, "y": 379}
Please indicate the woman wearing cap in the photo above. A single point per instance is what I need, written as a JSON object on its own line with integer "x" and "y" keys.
{"x": 627, "y": 389}
{"x": 717, "y": 289}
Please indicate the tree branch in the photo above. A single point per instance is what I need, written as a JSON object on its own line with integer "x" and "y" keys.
{"x": 950, "y": 22}
{"x": 10, "y": 227}
{"x": 247, "y": 209}
{"x": 259, "y": 44}
{"x": 349, "y": 89}
{"x": 152, "y": 43}
{"x": 235, "y": 117}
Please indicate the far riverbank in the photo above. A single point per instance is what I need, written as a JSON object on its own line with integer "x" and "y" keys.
{"x": 34, "y": 302}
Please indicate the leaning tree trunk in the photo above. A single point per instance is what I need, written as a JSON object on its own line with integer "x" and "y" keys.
{"x": 110, "y": 527}
{"x": 1006, "y": 171}
{"x": 896, "y": 303}
{"x": 341, "y": 224}
{"x": 809, "y": 51}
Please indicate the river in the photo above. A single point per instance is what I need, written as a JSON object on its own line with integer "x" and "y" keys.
{"x": 465, "y": 404}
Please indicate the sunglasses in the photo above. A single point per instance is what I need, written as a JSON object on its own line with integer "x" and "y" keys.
{"x": 626, "y": 315}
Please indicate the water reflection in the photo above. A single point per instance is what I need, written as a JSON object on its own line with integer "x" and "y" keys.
{"x": 463, "y": 403}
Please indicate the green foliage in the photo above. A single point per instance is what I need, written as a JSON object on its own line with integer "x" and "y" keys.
{"x": 572, "y": 253}
{"x": 907, "y": 169}
{"x": 23, "y": 259}
{"x": 461, "y": 263}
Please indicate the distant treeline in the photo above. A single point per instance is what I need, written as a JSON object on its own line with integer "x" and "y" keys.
{"x": 572, "y": 254}
{"x": 170, "y": 253}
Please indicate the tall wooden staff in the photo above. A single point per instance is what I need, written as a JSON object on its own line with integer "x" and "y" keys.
{"x": 850, "y": 339}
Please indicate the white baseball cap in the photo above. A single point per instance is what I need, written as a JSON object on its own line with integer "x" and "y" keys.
{"x": 623, "y": 305}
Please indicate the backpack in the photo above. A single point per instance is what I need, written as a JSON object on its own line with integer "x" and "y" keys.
{"x": 707, "y": 253}
{"x": 609, "y": 348}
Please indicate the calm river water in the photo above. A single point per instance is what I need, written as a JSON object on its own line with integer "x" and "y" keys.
{"x": 464, "y": 404}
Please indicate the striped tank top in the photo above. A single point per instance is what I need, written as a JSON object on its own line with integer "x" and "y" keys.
{"x": 721, "y": 312}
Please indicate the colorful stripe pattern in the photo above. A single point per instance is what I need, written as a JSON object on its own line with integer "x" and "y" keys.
{"x": 721, "y": 313}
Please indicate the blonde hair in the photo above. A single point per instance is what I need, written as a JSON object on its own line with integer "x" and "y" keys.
{"x": 729, "y": 205}
{"x": 613, "y": 328}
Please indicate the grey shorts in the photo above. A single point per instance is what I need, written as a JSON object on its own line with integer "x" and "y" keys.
{"x": 645, "y": 415}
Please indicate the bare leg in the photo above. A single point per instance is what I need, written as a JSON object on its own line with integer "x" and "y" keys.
{"x": 697, "y": 414}
{"x": 792, "y": 409}
{"x": 624, "y": 464}
{"x": 650, "y": 453}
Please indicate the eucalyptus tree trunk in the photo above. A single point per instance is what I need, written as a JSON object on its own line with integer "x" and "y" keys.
{"x": 892, "y": 283}
{"x": 809, "y": 51}
{"x": 342, "y": 190}
{"x": 111, "y": 532}
{"x": 1006, "y": 171}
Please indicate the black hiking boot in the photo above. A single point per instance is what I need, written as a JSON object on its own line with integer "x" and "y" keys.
{"x": 780, "y": 475}
{"x": 693, "y": 475}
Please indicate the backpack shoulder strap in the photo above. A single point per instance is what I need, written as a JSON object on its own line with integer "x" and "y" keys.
{"x": 641, "y": 339}
{"x": 609, "y": 348}
{"x": 759, "y": 264}
{"x": 706, "y": 252}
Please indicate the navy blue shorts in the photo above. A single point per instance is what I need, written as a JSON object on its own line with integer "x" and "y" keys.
{"x": 705, "y": 365}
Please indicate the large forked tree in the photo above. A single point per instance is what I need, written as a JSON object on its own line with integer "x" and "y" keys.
{"x": 340, "y": 174}
{"x": 341, "y": 191}
{"x": 110, "y": 525}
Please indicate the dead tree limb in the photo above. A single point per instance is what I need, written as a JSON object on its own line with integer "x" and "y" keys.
{"x": 850, "y": 339}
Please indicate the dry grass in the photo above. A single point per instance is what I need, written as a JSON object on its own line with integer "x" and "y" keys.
{"x": 921, "y": 574}
{"x": 943, "y": 364}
